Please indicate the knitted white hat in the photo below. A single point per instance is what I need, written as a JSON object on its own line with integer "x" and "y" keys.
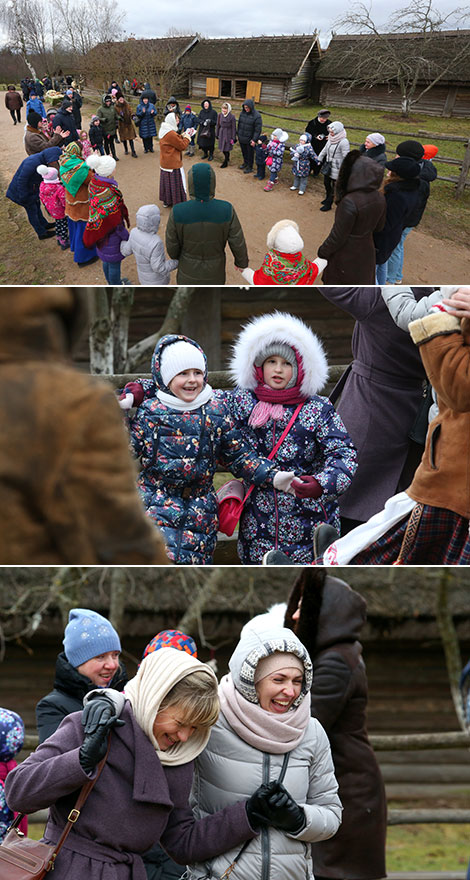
{"x": 47, "y": 173}
{"x": 376, "y": 138}
{"x": 103, "y": 165}
{"x": 281, "y": 135}
{"x": 284, "y": 236}
{"x": 180, "y": 356}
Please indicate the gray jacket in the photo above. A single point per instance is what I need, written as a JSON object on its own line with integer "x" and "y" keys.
{"x": 144, "y": 242}
{"x": 335, "y": 153}
{"x": 230, "y": 769}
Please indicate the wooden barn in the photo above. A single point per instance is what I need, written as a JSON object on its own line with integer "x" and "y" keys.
{"x": 270, "y": 70}
{"x": 449, "y": 50}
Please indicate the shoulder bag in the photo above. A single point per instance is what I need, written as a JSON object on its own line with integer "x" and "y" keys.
{"x": 231, "y": 496}
{"x": 22, "y": 858}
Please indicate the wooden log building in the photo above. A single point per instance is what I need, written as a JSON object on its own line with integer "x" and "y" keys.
{"x": 270, "y": 70}
{"x": 449, "y": 97}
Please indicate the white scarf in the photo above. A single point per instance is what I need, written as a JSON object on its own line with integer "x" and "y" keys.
{"x": 180, "y": 405}
{"x": 169, "y": 124}
{"x": 157, "y": 674}
{"x": 276, "y": 734}
{"x": 343, "y": 550}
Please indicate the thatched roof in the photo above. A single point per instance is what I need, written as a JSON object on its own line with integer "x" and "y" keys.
{"x": 177, "y": 46}
{"x": 254, "y": 56}
{"x": 340, "y": 59}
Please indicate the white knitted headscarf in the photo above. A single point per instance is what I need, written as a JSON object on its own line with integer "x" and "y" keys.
{"x": 157, "y": 674}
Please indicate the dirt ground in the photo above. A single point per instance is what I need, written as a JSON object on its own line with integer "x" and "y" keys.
{"x": 428, "y": 260}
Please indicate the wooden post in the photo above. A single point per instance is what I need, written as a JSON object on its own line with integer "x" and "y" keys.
{"x": 460, "y": 188}
{"x": 202, "y": 322}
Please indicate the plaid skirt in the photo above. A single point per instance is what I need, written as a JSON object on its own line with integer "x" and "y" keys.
{"x": 442, "y": 538}
{"x": 171, "y": 187}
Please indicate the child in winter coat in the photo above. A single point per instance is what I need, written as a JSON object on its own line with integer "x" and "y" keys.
{"x": 180, "y": 435}
{"x": 279, "y": 365}
{"x": 35, "y": 103}
{"x": 275, "y": 151}
{"x": 11, "y": 742}
{"x": 85, "y": 144}
{"x": 261, "y": 154}
{"x": 189, "y": 120}
{"x": 284, "y": 263}
{"x": 52, "y": 195}
{"x": 147, "y": 247}
{"x": 96, "y": 135}
{"x": 107, "y": 215}
{"x": 302, "y": 155}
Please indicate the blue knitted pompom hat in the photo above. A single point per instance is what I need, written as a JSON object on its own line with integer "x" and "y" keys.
{"x": 87, "y": 635}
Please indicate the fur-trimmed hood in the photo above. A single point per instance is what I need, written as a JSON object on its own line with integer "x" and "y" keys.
{"x": 279, "y": 327}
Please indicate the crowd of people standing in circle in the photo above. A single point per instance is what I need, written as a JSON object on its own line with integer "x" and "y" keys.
{"x": 374, "y": 214}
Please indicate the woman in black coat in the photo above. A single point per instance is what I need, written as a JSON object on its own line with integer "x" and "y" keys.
{"x": 318, "y": 129}
{"x": 327, "y": 616}
{"x": 349, "y": 248}
{"x": 401, "y": 193}
{"x": 206, "y": 133}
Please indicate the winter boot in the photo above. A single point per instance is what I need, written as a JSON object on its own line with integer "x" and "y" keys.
{"x": 126, "y": 151}
{"x": 323, "y": 536}
{"x": 133, "y": 152}
{"x": 269, "y": 186}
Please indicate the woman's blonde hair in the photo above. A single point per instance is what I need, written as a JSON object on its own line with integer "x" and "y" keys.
{"x": 197, "y": 699}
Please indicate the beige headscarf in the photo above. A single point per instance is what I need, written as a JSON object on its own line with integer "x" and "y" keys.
{"x": 157, "y": 674}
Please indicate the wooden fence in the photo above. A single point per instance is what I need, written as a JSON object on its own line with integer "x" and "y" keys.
{"x": 464, "y": 164}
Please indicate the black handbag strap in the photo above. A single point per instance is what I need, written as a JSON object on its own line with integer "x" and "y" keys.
{"x": 339, "y": 387}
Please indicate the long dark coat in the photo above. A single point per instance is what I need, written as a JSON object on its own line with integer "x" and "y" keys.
{"x": 135, "y": 802}
{"x": 207, "y": 120}
{"x": 402, "y": 198}
{"x": 331, "y": 618}
{"x": 126, "y": 128}
{"x": 226, "y": 131}
{"x": 349, "y": 248}
{"x": 380, "y": 398}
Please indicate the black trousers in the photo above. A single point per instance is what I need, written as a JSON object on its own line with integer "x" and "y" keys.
{"x": 109, "y": 147}
{"x": 330, "y": 188}
{"x": 18, "y": 115}
{"x": 148, "y": 144}
{"x": 248, "y": 153}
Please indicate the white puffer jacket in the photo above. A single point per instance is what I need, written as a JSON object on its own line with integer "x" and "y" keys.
{"x": 230, "y": 770}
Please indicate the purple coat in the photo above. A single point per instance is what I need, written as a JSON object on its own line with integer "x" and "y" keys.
{"x": 226, "y": 131}
{"x": 109, "y": 247}
{"x": 380, "y": 399}
{"x": 135, "y": 803}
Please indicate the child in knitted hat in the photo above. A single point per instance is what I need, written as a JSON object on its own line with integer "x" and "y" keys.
{"x": 52, "y": 195}
{"x": 181, "y": 431}
{"x": 85, "y": 144}
{"x": 302, "y": 156}
{"x": 107, "y": 215}
{"x": 11, "y": 742}
{"x": 261, "y": 154}
{"x": 275, "y": 151}
{"x": 284, "y": 262}
{"x": 96, "y": 135}
{"x": 188, "y": 120}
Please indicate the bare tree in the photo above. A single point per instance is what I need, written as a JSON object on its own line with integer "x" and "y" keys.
{"x": 414, "y": 64}
{"x": 82, "y": 25}
{"x": 109, "y": 328}
{"x": 155, "y": 61}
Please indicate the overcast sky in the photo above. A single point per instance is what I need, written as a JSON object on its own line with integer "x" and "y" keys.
{"x": 246, "y": 18}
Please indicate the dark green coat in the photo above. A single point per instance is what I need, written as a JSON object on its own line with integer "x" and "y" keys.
{"x": 199, "y": 229}
{"x": 108, "y": 117}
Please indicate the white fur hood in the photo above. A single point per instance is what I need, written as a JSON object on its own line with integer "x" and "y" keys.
{"x": 279, "y": 327}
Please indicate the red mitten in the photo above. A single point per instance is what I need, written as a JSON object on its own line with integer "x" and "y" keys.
{"x": 137, "y": 390}
{"x": 306, "y": 487}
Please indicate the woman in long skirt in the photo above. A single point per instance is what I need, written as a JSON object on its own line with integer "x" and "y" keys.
{"x": 172, "y": 147}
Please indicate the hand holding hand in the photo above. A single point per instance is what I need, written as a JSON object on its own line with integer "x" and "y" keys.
{"x": 126, "y": 401}
{"x": 280, "y": 809}
{"x": 282, "y": 481}
{"x": 306, "y": 487}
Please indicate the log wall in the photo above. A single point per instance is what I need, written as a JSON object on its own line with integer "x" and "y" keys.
{"x": 441, "y": 100}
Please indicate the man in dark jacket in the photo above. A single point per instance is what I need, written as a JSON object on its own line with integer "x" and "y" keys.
{"x": 318, "y": 129}
{"x": 77, "y": 102}
{"x": 24, "y": 189}
{"x": 198, "y": 231}
{"x": 428, "y": 173}
{"x": 249, "y": 128}
{"x": 14, "y": 103}
{"x": 64, "y": 120}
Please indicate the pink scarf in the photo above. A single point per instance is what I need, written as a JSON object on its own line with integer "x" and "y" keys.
{"x": 276, "y": 734}
{"x": 271, "y": 401}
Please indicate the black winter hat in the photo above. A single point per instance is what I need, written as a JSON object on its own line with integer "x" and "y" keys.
{"x": 405, "y": 167}
{"x": 412, "y": 149}
{"x": 33, "y": 118}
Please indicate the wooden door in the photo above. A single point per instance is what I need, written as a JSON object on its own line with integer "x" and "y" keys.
{"x": 253, "y": 90}
{"x": 212, "y": 87}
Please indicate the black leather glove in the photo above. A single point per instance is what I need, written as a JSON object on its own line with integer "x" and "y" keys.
{"x": 256, "y": 806}
{"x": 283, "y": 811}
{"x": 100, "y": 711}
{"x": 93, "y": 749}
